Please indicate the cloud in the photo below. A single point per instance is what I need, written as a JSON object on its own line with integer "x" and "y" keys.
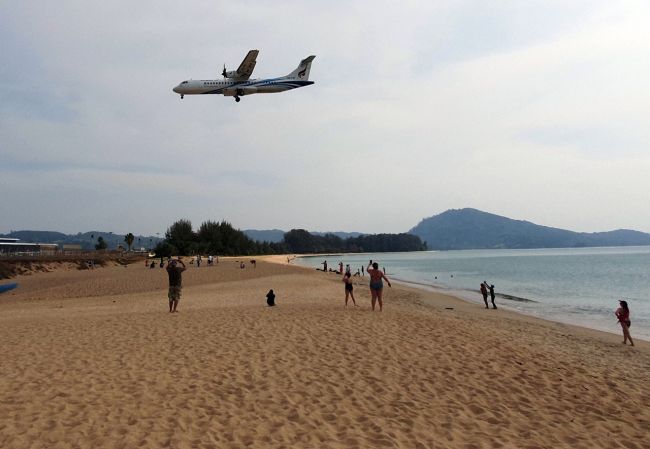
{"x": 417, "y": 107}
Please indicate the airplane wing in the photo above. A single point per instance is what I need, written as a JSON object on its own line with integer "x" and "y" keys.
{"x": 245, "y": 69}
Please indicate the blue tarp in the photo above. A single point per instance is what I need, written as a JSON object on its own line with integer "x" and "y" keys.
{"x": 7, "y": 287}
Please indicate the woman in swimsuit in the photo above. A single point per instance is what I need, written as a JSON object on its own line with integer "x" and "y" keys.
{"x": 623, "y": 315}
{"x": 376, "y": 284}
{"x": 348, "y": 289}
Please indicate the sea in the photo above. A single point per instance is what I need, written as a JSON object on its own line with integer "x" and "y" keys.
{"x": 578, "y": 286}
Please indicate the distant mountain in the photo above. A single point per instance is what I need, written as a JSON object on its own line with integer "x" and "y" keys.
{"x": 341, "y": 234}
{"x": 276, "y": 235}
{"x": 474, "y": 229}
{"x": 37, "y": 236}
{"x": 87, "y": 240}
{"x": 270, "y": 235}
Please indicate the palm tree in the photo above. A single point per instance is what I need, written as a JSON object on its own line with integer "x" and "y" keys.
{"x": 128, "y": 238}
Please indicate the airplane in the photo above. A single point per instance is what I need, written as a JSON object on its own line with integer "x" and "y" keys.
{"x": 236, "y": 83}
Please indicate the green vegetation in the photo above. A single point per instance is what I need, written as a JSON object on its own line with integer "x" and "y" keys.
{"x": 222, "y": 239}
{"x": 128, "y": 238}
{"x": 211, "y": 238}
{"x": 101, "y": 243}
{"x": 301, "y": 241}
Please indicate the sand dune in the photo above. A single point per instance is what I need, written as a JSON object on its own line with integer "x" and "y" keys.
{"x": 93, "y": 359}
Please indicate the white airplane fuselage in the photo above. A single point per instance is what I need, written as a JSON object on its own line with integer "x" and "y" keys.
{"x": 232, "y": 88}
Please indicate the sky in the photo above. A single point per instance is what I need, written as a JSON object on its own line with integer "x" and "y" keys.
{"x": 534, "y": 110}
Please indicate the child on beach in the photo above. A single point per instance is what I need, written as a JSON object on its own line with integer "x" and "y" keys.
{"x": 376, "y": 284}
{"x": 348, "y": 289}
{"x": 623, "y": 315}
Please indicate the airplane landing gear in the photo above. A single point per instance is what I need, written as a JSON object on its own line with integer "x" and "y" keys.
{"x": 237, "y": 99}
{"x": 182, "y": 96}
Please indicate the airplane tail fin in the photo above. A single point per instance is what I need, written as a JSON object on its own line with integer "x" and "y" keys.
{"x": 302, "y": 72}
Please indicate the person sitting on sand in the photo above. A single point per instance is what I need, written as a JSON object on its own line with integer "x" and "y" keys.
{"x": 270, "y": 298}
{"x": 348, "y": 289}
{"x": 175, "y": 283}
{"x": 376, "y": 284}
{"x": 623, "y": 315}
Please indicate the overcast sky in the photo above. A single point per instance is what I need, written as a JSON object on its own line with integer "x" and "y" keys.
{"x": 535, "y": 110}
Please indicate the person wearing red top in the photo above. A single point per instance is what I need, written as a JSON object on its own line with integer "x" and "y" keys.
{"x": 623, "y": 315}
{"x": 484, "y": 293}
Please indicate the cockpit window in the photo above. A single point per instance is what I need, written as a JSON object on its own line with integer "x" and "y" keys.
{"x": 184, "y": 82}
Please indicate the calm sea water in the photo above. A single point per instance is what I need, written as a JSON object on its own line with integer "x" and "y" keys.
{"x": 575, "y": 286}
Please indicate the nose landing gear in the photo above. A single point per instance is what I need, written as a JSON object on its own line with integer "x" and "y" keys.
{"x": 237, "y": 99}
{"x": 182, "y": 96}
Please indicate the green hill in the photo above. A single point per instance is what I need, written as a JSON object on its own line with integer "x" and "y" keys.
{"x": 474, "y": 229}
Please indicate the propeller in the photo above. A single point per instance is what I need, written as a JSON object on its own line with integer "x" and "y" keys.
{"x": 224, "y": 71}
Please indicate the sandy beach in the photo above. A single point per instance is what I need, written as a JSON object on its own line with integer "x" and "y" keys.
{"x": 93, "y": 359}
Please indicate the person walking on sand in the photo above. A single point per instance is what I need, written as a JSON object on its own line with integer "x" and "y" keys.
{"x": 376, "y": 284}
{"x": 484, "y": 293}
{"x": 175, "y": 283}
{"x": 349, "y": 289}
{"x": 623, "y": 315}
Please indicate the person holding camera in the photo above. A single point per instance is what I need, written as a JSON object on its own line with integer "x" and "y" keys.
{"x": 175, "y": 283}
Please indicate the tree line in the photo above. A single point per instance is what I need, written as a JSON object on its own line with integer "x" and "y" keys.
{"x": 221, "y": 238}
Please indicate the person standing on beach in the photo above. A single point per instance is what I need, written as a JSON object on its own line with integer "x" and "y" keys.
{"x": 494, "y": 306}
{"x": 484, "y": 293}
{"x": 348, "y": 289}
{"x": 324, "y": 264}
{"x": 175, "y": 283}
{"x": 623, "y": 315}
{"x": 376, "y": 284}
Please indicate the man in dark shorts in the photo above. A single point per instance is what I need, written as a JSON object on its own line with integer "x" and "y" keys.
{"x": 175, "y": 283}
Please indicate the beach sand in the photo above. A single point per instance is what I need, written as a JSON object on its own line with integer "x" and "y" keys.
{"x": 93, "y": 359}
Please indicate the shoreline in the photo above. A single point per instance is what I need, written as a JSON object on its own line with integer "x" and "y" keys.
{"x": 458, "y": 294}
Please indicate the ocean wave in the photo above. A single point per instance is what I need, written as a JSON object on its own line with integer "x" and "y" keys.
{"x": 449, "y": 289}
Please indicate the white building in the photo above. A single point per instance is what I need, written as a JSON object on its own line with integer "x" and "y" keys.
{"x": 10, "y": 246}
